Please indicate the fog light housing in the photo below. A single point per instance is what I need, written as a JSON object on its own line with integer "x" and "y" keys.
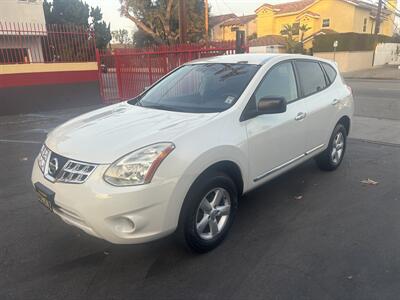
{"x": 124, "y": 225}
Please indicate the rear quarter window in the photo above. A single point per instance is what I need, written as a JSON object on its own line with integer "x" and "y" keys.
{"x": 330, "y": 71}
{"x": 311, "y": 77}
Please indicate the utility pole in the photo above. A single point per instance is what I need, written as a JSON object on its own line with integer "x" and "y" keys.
{"x": 206, "y": 19}
{"x": 377, "y": 26}
{"x": 182, "y": 21}
{"x": 378, "y": 17}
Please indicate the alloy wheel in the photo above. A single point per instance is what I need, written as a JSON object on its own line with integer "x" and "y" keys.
{"x": 337, "y": 148}
{"x": 213, "y": 213}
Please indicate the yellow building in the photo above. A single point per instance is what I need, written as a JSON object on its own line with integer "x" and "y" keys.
{"x": 323, "y": 16}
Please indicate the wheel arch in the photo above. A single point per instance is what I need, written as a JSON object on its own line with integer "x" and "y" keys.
{"x": 228, "y": 167}
{"x": 346, "y": 122}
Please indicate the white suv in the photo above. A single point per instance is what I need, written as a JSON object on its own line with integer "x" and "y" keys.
{"x": 178, "y": 157}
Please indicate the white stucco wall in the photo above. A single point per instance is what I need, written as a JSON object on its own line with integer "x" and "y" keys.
{"x": 267, "y": 49}
{"x": 388, "y": 53}
{"x": 22, "y": 11}
{"x": 349, "y": 61}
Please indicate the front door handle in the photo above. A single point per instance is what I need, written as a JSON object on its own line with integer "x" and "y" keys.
{"x": 300, "y": 116}
{"x": 335, "y": 101}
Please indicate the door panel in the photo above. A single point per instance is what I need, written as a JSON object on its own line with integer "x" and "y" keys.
{"x": 318, "y": 99}
{"x": 275, "y": 139}
{"x": 321, "y": 112}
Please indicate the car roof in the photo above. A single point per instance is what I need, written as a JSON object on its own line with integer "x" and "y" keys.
{"x": 252, "y": 59}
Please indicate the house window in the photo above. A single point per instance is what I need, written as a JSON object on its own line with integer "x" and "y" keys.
{"x": 14, "y": 55}
{"x": 295, "y": 28}
{"x": 365, "y": 25}
{"x": 325, "y": 23}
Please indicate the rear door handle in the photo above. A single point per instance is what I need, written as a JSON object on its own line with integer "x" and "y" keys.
{"x": 335, "y": 101}
{"x": 300, "y": 116}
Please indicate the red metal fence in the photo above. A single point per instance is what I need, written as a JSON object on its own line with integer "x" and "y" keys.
{"x": 125, "y": 73}
{"x": 38, "y": 43}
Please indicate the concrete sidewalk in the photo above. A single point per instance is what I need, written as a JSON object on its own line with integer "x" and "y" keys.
{"x": 376, "y": 130}
{"x": 379, "y": 72}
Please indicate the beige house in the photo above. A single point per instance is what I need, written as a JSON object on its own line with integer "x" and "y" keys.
{"x": 15, "y": 18}
{"x": 224, "y": 27}
{"x": 215, "y": 25}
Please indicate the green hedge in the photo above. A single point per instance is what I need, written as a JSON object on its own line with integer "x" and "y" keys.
{"x": 349, "y": 41}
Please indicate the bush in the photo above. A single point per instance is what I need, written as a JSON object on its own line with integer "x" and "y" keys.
{"x": 349, "y": 41}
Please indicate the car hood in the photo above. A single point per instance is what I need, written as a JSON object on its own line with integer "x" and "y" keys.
{"x": 104, "y": 135}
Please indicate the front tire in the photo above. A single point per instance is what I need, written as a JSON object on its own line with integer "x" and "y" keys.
{"x": 208, "y": 212}
{"x": 332, "y": 157}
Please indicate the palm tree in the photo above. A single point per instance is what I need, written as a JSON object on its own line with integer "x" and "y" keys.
{"x": 288, "y": 32}
{"x": 303, "y": 29}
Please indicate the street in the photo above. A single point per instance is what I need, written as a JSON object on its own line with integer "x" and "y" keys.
{"x": 305, "y": 235}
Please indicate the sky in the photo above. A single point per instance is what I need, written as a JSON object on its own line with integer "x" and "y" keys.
{"x": 110, "y": 9}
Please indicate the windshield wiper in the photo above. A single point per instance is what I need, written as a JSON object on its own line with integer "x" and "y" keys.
{"x": 164, "y": 107}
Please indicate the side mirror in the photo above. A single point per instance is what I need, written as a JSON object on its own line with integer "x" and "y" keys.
{"x": 271, "y": 105}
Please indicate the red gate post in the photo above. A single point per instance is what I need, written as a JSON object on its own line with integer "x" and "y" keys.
{"x": 119, "y": 75}
{"x": 101, "y": 83}
{"x": 150, "y": 69}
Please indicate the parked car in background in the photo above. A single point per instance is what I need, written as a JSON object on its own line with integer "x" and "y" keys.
{"x": 178, "y": 157}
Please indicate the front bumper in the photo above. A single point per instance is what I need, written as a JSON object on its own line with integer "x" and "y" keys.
{"x": 120, "y": 215}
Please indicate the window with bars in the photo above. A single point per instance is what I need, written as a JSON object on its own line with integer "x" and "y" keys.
{"x": 365, "y": 25}
{"x": 325, "y": 22}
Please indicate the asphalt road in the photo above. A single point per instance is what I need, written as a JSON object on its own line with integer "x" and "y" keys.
{"x": 376, "y": 98}
{"x": 306, "y": 235}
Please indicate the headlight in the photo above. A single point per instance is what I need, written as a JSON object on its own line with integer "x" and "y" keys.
{"x": 138, "y": 167}
{"x": 43, "y": 156}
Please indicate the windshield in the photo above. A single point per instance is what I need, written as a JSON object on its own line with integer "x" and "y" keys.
{"x": 199, "y": 88}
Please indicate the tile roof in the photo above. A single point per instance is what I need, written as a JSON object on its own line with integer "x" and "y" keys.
{"x": 239, "y": 20}
{"x": 292, "y": 7}
{"x": 268, "y": 40}
{"x": 308, "y": 12}
{"x": 288, "y": 7}
{"x": 215, "y": 20}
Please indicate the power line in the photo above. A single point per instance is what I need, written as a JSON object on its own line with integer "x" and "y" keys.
{"x": 390, "y": 4}
{"x": 378, "y": 17}
{"x": 396, "y": 10}
{"x": 231, "y": 10}
{"x": 220, "y": 11}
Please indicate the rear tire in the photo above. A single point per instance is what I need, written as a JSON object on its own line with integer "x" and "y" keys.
{"x": 208, "y": 212}
{"x": 332, "y": 157}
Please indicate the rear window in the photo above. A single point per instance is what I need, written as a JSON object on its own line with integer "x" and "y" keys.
{"x": 311, "y": 77}
{"x": 330, "y": 71}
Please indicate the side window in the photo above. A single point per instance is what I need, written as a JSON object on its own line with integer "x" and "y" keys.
{"x": 311, "y": 77}
{"x": 330, "y": 71}
{"x": 279, "y": 82}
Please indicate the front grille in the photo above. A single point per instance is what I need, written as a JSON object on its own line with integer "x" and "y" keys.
{"x": 75, "y": 172}
{"x": 61, "y": 169}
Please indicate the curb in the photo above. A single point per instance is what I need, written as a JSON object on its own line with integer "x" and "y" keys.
{"x": 372, "y": 78}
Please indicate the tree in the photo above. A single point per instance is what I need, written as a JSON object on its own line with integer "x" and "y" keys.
{"x": 293, "y": 45}
{"x": 303, "y": 29}
{"x": 101, "y": 29}
{"x": 121, "y": 36}
{"x": 158, "y": 19}
{"x": 142, "y": 39}
{"x": 66, "y": 12}
{"x": 77, "y": 12}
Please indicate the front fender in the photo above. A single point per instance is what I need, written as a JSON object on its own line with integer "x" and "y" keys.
{"x": 196, "y": 167}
